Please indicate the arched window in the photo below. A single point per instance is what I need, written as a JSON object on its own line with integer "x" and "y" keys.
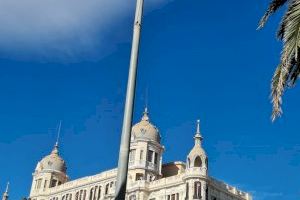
{"x": 91, "y": 193}
{"x": 198, "y": 162}
{"x": 187, "y": 191}
{"x": 77, "y": 196}
{"x": 95, "y": 193}
{"x": 84, "y": 194}
{"x": 99, "y": 193}
{"x": 106, "y": 188}
{"x": 189, "y": 162}
{"x": 197, "y": 190}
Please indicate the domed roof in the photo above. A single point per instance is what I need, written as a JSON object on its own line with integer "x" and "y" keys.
{"x": 145, "y": 130}
{"x": 52, "y": 162}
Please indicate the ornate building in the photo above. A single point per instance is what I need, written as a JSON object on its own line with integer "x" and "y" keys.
{"x": 148, "y": 177}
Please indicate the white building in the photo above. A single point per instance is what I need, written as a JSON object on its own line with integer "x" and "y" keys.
{"x": 148, "y": 177}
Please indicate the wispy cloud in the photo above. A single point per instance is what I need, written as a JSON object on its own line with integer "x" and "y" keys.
{"x": 63, "y": 29}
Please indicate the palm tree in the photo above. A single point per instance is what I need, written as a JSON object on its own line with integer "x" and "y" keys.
{"x": 288, "y": 70}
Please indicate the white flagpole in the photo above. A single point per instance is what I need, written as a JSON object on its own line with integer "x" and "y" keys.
{"x": 129, "y": 104}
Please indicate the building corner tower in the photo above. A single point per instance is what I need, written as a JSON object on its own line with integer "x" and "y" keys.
{"x": 197, "y": 169}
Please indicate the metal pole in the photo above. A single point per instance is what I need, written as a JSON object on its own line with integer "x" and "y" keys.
{"x": 128, "y": 112}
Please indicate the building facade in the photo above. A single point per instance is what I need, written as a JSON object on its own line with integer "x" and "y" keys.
{"x": 148, "y": 177}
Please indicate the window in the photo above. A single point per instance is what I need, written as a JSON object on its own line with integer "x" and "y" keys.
{"x": 106, "y": 189}
{"x": 198, "y": 162}
{"x": 53, "y": 183}
{"x": 38, "y": 184}
{"x": 80, "y": 196}
{"x": 155, "y": 158}
{"x": 84, "y": 194}
{"x": 132, "y": 155}
{"x": 77, "y": 196}
{"x": 173, "y": 197}
{"x": 187, "y": 191}
{"x": 99, "y": 193}
{"x": 141, "y": 154}
{"x": 150, "y": 156}
{"x": 139, "y": 176}
{"x": 197, "y": 190}
{"x": 91, "y": 193}
{"x": 95, "y": 193}
{"x": 45, "y": 184}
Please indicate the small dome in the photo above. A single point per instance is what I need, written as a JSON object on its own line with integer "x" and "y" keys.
{"x": 52, "y": 162}
{"x": 145, "y": 130}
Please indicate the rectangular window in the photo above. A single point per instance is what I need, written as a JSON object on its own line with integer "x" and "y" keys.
{"x": 141, "y": 155}
{"x": 53, "y": 183}
{"x": 45, "y": 184}
{"x": 139, "y": 176}
{"x": 39, "y": 182}
{"x": 173, "y": 197}
{"x": 132, "y": 155}
{"x": 106, "y": 188}
{"x": 155, "y": 158}
{"x": 150, "y": 156}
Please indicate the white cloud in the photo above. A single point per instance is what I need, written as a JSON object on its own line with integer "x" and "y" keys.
{"x": 63, "y": 29}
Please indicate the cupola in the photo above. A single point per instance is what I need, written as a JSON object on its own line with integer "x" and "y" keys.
{"x": 197, "y": 156}
{"x": 145, "y": 129}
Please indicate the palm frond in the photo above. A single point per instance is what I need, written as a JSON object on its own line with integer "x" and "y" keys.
{"x": 289, "y": 65}
{"x": 277, "y": 88}
{"x": 273, "y": 7}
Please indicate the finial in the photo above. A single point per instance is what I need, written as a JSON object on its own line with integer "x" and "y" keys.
{"x": 198, "y": 138}
{"x": 55, "y": 150}
{"x": 58, "y": 133}
{"x": 145, "y": 116}
{"x": 198, "y": 126}
{"x": 7, "y": 188}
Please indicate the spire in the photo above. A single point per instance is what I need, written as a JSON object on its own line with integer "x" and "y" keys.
{"x": 55, "y": 149}
{"x": 198, "y": 138}
{"x": 146, "y": 115}
{"x": 5, "y": 194}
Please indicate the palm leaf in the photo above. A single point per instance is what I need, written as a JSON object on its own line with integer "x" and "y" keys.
{"x": 288, "y": 69}
{"x": 273, "y": 7}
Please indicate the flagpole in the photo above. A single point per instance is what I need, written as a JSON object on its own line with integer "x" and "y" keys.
{"x": 129, "y": 104}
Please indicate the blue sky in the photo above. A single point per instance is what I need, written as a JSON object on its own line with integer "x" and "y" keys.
{"x": 198, "y": 59}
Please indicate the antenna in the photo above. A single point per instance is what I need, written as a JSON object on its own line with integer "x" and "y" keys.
{"x": 58, "y": 133}
{"x": 146, "y": 97}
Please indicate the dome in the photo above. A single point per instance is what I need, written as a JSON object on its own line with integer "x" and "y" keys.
{"x": 52, "y": 162}
{"x": 145, "y": 130}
